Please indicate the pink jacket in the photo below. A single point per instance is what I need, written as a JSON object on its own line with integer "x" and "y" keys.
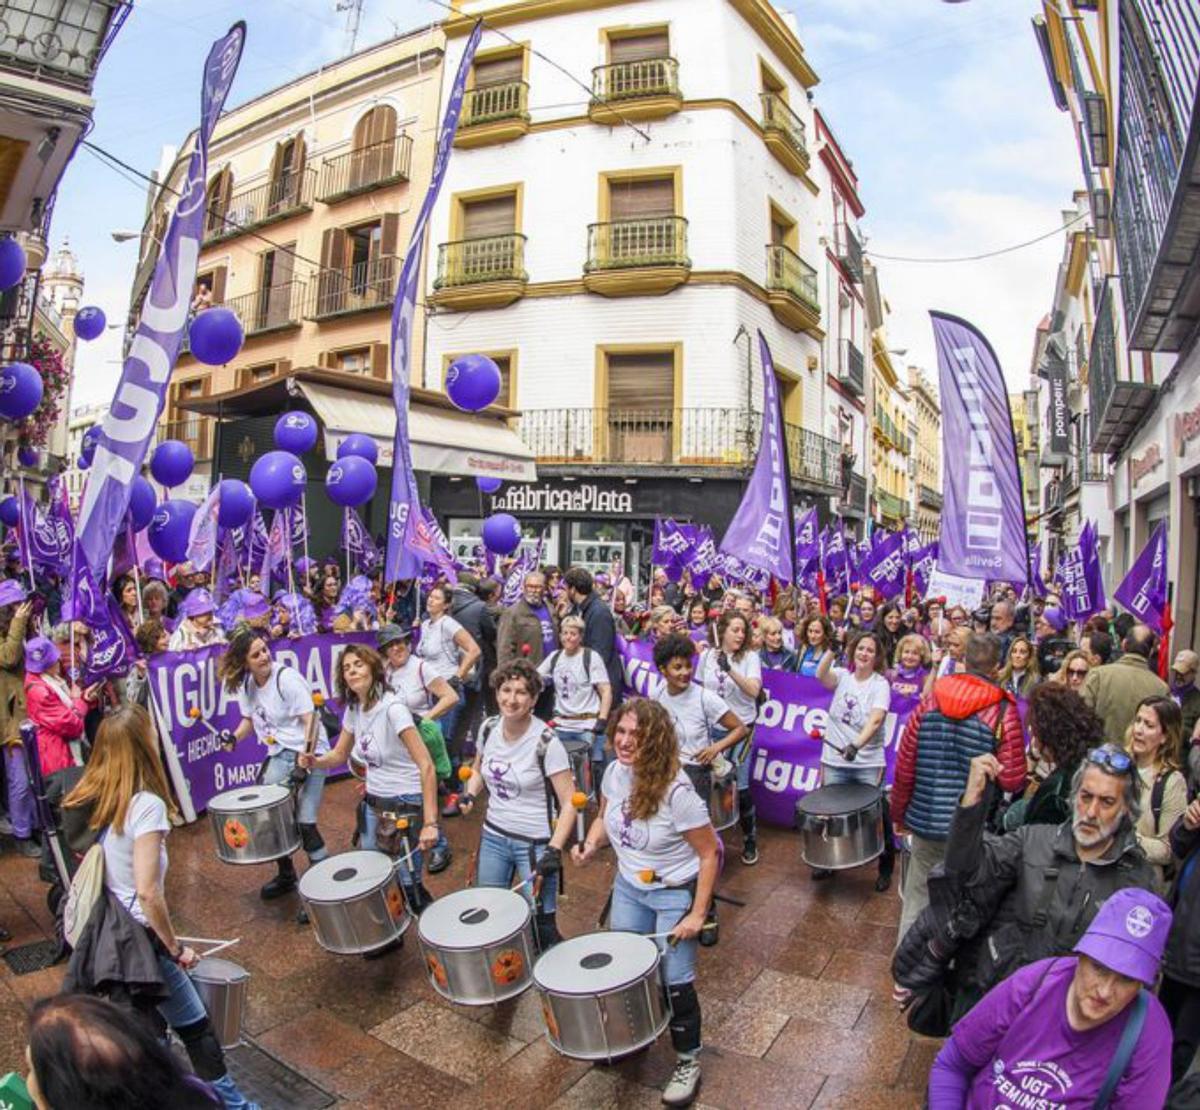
{"x": 56, "y": 723}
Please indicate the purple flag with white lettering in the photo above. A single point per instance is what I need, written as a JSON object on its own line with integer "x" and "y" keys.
{"x": 401, "y": 563}
{"x": 277, "y": 550}
{"x": 1143, "y": 591}
{"x": 671, "y": 546}
{"x": 924, "y": 559}
{"x": 983, "y": 530}
{"x": 884, "y": 565}
{"x": 129, "y": 425}
{"x": 1036, "y": 583}
{"x": 202, "y": 538}
{"x": 423, "y": 537}
{"x": 760, "y": 534}
{"x": 1079, "y": 572}
{"x": 808, "y": 547}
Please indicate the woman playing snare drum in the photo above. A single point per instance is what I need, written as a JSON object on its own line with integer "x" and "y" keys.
{"x": 527, "y": 774}
{"x": 400, "y": 775}
{"x": 666, "y": 851}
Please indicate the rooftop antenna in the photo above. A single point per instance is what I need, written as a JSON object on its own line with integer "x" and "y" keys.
{"x": 353, "y": 8}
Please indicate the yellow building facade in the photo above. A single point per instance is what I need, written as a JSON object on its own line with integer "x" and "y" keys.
{"x": 891, "y": 442}
{"x": 926, "y": 422}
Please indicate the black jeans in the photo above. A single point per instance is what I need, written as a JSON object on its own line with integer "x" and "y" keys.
{"x": 1182, "y": 1004}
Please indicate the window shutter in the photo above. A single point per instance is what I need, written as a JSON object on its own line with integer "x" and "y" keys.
{"x": 499, "y": 71}
{"x": 218, "y": 284}
{"x": 333, "y": 248}
{"x": 779, "y": 233}
{"x": 298, "y": 155}
{"x": 504, "y": 364}
{"x": 485, "y": 218}
{"x": 641, "y": 382}
{"x": 389, "y": 233}
{"x": 637, "y": 48}
{"x": 379, "y": 360}
{"x": 641, "y": 198}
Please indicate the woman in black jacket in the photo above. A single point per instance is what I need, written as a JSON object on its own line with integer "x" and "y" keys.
{"x": 1180, "y": 989}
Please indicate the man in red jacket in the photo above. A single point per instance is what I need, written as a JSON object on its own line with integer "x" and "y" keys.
{"x": 962, "y": 716}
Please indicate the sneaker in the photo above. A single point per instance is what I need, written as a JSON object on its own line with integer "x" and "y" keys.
{"x": 750, "y": 852}
{"x": 29, "y": 848}
{"x": 439, "y": 860}
{"x": 882, "y": 883}
{"x": 6, "y": 826}
{"x": 820, "y": 873}
{"x": 450, "y": 809}
{"x": 682, "y": 1087}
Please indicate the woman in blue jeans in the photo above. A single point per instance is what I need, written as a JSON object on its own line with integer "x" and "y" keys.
{"x": 400, "y": 775}
{"x": 126, "y": 792}
{"x": 528, "y": 775}
{"x": 667, "y": 866}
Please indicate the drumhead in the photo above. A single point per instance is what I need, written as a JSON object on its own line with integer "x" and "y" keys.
{"x": 212, "y": 969}
{"x": 473, "y": 918}
{"x": 247, "y": 798}
{"x": 342, "y": 877}
{"x": 839, "y": 799}
{"x": 596, "y": 963}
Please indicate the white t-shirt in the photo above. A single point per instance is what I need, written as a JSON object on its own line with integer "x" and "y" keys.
{"x": 277, "y": 709}
{"x": 437, "y": 647}
{"x": 695, "y": 712}
{"x": 711, "y": 677}
{"x": 656, "y": 845}
{"x": 852, "y": 704}
{"x": 408, "y": 683}
{"x": 516, "y": 789}
{"x": 147, "y": 813}
{"x": 391, "y": 769}
{"x": 575, "y": 692}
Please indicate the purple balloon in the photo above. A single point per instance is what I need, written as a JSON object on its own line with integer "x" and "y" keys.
{"x": 10, "y": 512}
{"x": 172, "y": 462}
{"x": 488, "y": 485}
{"x": 360, "y": 444}
{"x": 20, "y": 390}
{"x": 27, "y": 456}
{"x": 215, "y": 336}
{"x": 501, "y": 534}
{"x": 169, "y": 530}
{"x": 92, "y": 436}
{"x": 473, "y": 382}
{"x": 83, "y": 462}
{"x": 295, "y": 432}
{"x": 351, "y": 481}
{"x": 90, "y": 322}
{"x": 278, "y": 479}
{"x": 12, "y": 262}
{"x": 236, "y": 504}
{"x": 142, "y": 503}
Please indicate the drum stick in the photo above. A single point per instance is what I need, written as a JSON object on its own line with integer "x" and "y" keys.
{"x": 669, "y": 936}
{"x": 218, "y": 945}
{"x": 579, "y": 801}
{"x": 194, "y": 714}
{"x": 525, "y": 881}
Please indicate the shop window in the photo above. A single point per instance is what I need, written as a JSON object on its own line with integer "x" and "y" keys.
{"x": 466, "y": 540}
{"x": 597, "y": 546}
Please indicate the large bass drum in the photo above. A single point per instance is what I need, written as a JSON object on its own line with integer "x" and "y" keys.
{"x": 602, "y": 995}
{"x": 254, "y": 824}
{"x": 841, "y": 825}
{"x": 478, "y": 945}
{"x": 355, "y": 902}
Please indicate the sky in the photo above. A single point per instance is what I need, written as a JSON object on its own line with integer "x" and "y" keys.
{"x": 943, "y": 108}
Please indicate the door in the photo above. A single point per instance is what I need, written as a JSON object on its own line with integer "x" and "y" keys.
{"x": 275, "y": 288}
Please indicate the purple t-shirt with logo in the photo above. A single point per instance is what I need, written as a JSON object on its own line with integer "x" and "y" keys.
{"x": 1025, "y": 1054}
{"x": 549, "y": 640}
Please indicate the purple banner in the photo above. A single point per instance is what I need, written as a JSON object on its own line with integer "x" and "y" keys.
{"x": 399, "y": 561}
{"x": 884, "y": 566}
{"x": 129, "y": 425}
{"x": 808, "y": 544}
{"x": 1079, "y": 572}
{"x": 1143, "y": 591}
{"x": 983, "y": 531}
{"x": 760, "y": 534}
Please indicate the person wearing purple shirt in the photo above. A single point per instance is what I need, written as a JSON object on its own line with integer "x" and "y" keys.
{"x": 1071, "y": 1032}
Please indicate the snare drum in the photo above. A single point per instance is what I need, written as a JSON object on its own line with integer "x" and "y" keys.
{"x": 602, "y": 995}
{"x": 254, "y": 824}
{"x": 579, "y": 752}
{"x": 723, "y": 807}
{"x": 478, "y": 945}
{"x": 841, "y": 825}
{"x": 222, "y": 985}
{"x": 355, "y": 902}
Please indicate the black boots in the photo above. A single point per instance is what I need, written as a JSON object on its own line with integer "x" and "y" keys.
{"x": 283, "y": 883}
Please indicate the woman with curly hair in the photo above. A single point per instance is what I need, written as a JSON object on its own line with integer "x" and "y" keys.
{"x": 1062, "y": 730}
{"x": 666, "y": 852}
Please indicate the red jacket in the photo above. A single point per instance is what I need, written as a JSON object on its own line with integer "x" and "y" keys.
{"x": 57, "y": 723}
{"x": 962, "y": 716}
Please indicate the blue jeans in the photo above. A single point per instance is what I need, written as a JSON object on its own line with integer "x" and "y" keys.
{"x": 502, "y": 857}
{"x": 308, "y": 799}
{"x": 656, "y": 910}
{"x": 367, "y": 843}
{"x": 739, "y": 755}
{"x": 834, "y": 776}
{"x": 449, "y": 721}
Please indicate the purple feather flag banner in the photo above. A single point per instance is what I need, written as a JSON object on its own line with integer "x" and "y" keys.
{"x": 1143, "y": 591}
{"x": 400, "y": 562}
{"x": 983, "y": 532}
{"x": 129, "y": 425}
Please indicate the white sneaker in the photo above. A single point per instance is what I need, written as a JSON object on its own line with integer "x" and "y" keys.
{"x": 6, "y": 826}
{"x": 683, "y": 1085}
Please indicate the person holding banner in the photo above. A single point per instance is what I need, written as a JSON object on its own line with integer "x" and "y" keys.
{"x": 277, "y": 705}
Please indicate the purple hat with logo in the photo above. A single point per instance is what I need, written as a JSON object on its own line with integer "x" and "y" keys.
{"x": 1129, "y": 934}
{"x": 40, "y": 655}
{"x": 11, "y": 592}
{"x": 198, "y": 602}
{"x": 1055, "y": 617}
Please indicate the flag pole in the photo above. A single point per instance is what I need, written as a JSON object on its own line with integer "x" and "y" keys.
{"x": 137, "y": 580}
{"x": 346, "y": 538}
{"x": 25, "y": 530}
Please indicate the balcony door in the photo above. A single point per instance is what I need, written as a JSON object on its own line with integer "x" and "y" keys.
{"x": 274, "y": 306}
{"x": 640, "y": 407}
{"x": 220, "y": 193}
{"x": 496, "y": 85}
{"x": 639, "y": 63}
{"x": 488, "y": 227}
{"x": 287, "y": 169}
{"x": 374, "y": 149}
{"x": 641, "y": 225}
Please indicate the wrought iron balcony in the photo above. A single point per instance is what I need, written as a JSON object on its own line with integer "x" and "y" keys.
{"x": 479, "y": 261}
{"x": 814, "y": 459}
{"x": 57, "y": 42}
{"x": 278, "y": 306}
{"x": 929, "y": 497}
{"x": 358, "y": 288}
{"x": 495, "y": 102}
{"x": 648, "y": 77}
{"x": 1116, "y": 406}
{"x": 891, "y": 506}
{"x": 787, "y": 272}
{"x": 288, "y": 195}
{"x": 854, "y": 500}
{"x": 849, "y": 251}
{"x": 778, "y": 120}
{"x": 370, "y": 167}
{"x": 622, "y": 244}
{"x": 850, "y": 366}
{"x": 195, "y": 430}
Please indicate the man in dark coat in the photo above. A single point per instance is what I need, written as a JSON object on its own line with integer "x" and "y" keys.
{"x": 600, "y": 627}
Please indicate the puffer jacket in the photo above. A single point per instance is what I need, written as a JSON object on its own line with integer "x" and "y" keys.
{"x": 1182, "y": 962}
{"x": 962, "y": 716}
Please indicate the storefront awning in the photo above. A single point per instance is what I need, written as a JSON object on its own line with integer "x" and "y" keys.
{"x": 443, "y": 442}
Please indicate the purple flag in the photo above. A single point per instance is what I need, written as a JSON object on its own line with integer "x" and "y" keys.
{"x": 357, "y": 540}
{"x": 808, "y": 548}
{"x": 202, "y": 539}
{"x": 884, "y": 566}
{"x": 1036, "y": 582}
{"x": 833, "y": 558}
{"x": 924, "y": 559}
{"x": 671, "y": 547}
{"x": 423, "y": 537}
{"x": 277, "y": 549}
{"x": 760, "y": 534}
{"x": 1079, "y": 572}
{"x": 401, "y": 563}
{"x": 252, "y": 543}
{"x": 1143, "y": 591}
{"x": 704, "y": 558}
{"x": 129, "y": 425}
{"x": 112, "y": 650}
{"x": 227, "y": 576}
{"x": 983, "y": 520}
{"x": 515, "y": 582}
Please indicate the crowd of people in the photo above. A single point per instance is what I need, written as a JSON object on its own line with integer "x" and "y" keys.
{"x": 1042, "y": 797}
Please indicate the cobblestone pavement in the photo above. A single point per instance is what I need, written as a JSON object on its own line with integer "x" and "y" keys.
{"x": 796, "y": 996}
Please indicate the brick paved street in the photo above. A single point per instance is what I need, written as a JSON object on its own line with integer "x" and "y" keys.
{"x": 796, "y": 996}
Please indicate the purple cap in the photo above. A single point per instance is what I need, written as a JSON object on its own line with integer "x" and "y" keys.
{"x": 197, "y": 602}
{"x": 11, "y": 592}
{"x": 1055, "y": 617}
{"x": 304, "y": 564}
{"x": 1129, "y": 933}
{"x": 255, "y": 606}
{"x": 40, "y": 655}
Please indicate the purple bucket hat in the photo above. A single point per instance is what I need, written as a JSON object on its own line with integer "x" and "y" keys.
{"x": 197, "y": 602}
{"x": 11, "y": 592}
{"x": 40, "y": 655}
{"x": 1055, "y": 617}
{"x": 1129, "y": 934}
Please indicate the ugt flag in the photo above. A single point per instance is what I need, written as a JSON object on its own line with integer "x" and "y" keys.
{"x": 1079, "y": 572}
{"x": 1144, "y": 589}
{"x": 983, "y": 517}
